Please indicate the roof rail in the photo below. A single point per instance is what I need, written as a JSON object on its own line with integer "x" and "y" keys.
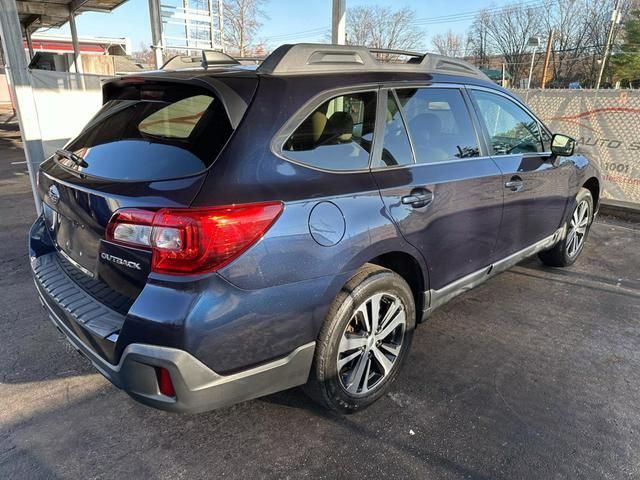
{"x": 305, "y": 58}
{"x": 392, "y": 51}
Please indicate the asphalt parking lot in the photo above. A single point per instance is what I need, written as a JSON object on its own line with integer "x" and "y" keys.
{"x": 535, "y": 374}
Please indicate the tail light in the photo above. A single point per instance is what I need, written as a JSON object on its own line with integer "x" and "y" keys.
{"x": 189, "y": 241}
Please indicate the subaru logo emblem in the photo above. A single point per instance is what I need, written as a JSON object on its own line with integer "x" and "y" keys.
{"x": 54, "y": 194}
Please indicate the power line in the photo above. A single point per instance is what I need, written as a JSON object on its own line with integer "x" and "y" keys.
{"x": 455, "y": 17}
{"x": 470, "y": 15}
{"x": 300, "y": 33}
{"x": 581, "y": 57}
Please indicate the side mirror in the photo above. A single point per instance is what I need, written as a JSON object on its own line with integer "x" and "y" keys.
{"x": 562, "y": 145}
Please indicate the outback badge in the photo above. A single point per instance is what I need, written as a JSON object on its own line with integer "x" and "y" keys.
{"x": 120, "y": 261}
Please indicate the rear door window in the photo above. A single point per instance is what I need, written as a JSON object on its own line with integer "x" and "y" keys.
{"x": 166, "y": 132}
{"x": 439, "y": 124}
{"x": 338, "y": 135}
{"x": 396, "y": 149}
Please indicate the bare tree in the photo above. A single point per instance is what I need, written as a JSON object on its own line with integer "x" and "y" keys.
{"x": 476, "y": 44}
{"x": 600, "y": 13}
{"x": 383, "y": 27}
{"x": 507, "y": 34}
{"x": 449, "y": 44}
{"x": 569, "y": 19}
{"x": 581, "y": 28}
{"x": 580, "y": 32}
{"x": 241, "y": 22}
{"x": 144, "y": 55}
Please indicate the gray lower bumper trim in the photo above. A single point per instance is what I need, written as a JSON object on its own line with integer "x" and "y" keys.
{"x": 198, "y": 388}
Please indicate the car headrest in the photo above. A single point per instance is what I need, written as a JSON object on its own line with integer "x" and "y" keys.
{"x": 309, "y": 132}
{"x": 317, "y": 124}
{"x": 339, "y": 128}
{"x": 425, "y": 125}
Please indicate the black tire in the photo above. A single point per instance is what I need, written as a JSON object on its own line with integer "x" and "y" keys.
{"x": 563, "y": 254}
{"x": 326, "y": 383}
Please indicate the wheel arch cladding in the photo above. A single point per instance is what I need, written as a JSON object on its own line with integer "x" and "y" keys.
{"x": 408, "y": 267}
{"x": 593, "y": 185}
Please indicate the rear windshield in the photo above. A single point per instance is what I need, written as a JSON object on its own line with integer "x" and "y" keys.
{"x": 160, "y": 133}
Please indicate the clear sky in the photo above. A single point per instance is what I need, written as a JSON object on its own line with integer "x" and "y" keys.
{"x": 288, "y": 20}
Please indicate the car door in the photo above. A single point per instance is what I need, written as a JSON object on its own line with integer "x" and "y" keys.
{"x": 536, "y": 183}
{"x": 443, "y": 194}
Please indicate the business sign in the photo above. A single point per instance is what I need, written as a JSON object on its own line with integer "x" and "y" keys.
{"x": 606, "y": 125}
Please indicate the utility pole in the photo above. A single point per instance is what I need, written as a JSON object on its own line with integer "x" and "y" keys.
{"x": 547, "y": 57}
{"x": 535, "y": 43}
{"x": 615, "y": 19}
{"x": 338, "y": 22}
{"x": 481, "y": 45}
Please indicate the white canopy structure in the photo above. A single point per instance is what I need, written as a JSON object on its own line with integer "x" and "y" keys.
{"x": 18, "y": 19}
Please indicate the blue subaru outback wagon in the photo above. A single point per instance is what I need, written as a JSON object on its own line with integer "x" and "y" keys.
{"x": 220, "y": 233}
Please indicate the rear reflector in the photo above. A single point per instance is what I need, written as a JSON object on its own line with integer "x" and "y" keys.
{"x": 165, "y": 385}
{"x": 193, "y": 240}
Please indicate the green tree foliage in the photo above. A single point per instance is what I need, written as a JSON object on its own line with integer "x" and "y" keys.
{"x": 625, "y": 63}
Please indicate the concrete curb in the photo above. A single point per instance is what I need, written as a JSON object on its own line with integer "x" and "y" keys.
{"x": 625, "y": 210}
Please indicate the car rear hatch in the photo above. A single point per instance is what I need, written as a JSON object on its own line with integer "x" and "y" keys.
{"x": 148, "y": 147}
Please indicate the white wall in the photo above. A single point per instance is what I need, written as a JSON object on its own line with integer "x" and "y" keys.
{"x": 4, "y": 88}
{"x": 65, "y": 103}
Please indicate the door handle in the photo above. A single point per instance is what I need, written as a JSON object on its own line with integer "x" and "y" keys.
{"x": 515, "y": 184}
{"x": 418, "y": 198}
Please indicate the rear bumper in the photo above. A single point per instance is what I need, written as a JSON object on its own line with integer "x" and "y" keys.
{"x": 92, "y": 329}
{"x": 198, "y": 388}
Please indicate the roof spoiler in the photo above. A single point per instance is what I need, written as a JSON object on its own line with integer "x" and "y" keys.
{"x": 234, "y": 104}
{"x": 208, "y": 59}
{"x": 214, "y": 57}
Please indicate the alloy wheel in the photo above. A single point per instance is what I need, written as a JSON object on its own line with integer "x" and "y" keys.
{"x": 371, "y": 343}
{"x": 578, "y": 228}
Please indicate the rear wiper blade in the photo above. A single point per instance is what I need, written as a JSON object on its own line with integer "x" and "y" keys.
{"x": 77, "y": 159}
